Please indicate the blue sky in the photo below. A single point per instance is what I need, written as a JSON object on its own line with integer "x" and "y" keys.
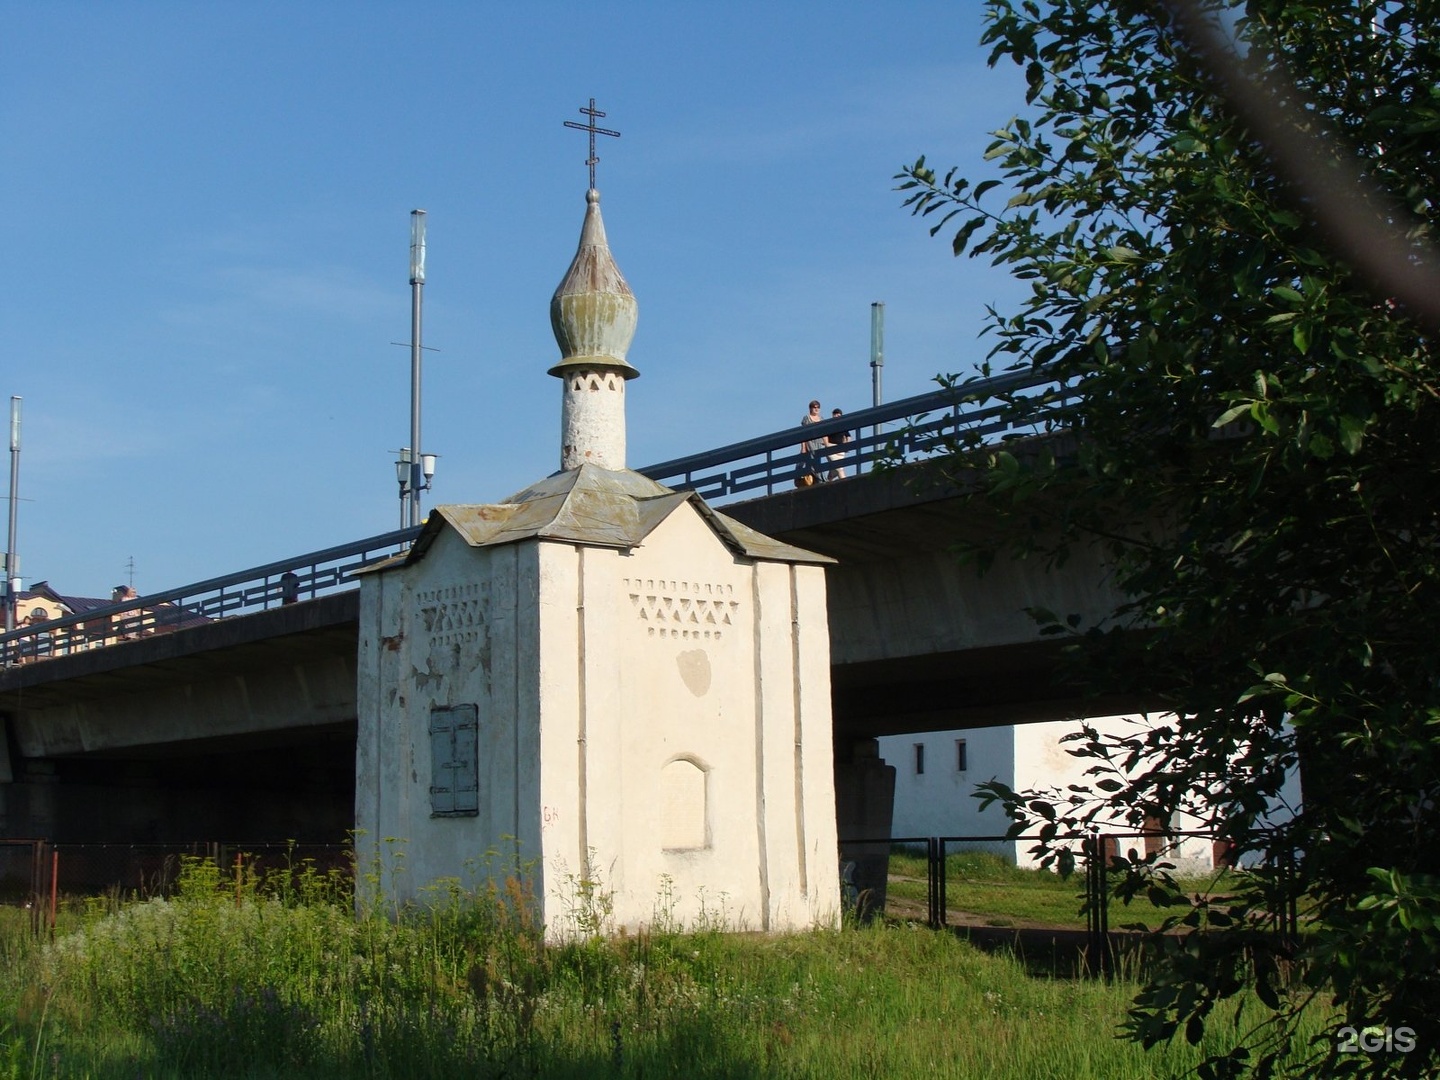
{"x": 204, "y": 247}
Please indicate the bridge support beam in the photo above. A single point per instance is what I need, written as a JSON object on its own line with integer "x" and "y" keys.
{"x": 864, "y": 810}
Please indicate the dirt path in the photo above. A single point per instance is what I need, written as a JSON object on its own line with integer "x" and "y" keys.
{"x": 918, "y": 911}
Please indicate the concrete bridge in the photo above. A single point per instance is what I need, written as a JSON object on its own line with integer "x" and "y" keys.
{"x": 244, "y": 726}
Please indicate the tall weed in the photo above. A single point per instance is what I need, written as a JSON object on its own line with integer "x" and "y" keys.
{"x": 271, "y": 981}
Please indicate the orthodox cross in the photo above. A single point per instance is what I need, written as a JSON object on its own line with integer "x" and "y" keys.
{"x": 594, "y": 114}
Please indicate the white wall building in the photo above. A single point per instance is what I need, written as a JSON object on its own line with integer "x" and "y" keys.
{"x": 937, "y": 772}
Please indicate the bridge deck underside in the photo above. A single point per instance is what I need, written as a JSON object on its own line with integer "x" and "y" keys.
{"x": 985, "y": 687}
{"x": 919, "y": 642}
{"x": 244, "y": 681}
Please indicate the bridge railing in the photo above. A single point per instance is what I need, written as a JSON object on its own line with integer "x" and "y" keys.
{"x": 272, "y": 585}
{"x": 905, "y": 430}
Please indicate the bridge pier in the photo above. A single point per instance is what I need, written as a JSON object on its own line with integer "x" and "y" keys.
{"x": 864, "y": 810}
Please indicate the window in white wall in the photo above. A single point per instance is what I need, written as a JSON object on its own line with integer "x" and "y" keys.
{"x": 919, "y": 758}
{"x": 962, "y": 756}
{"x": 454, "y": 761}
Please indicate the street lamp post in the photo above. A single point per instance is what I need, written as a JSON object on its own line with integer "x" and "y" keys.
{"x": 402, "y": 473}
{"x": 407, "y": 470}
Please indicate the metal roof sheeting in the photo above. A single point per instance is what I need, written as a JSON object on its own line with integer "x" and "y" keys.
{"x": 591, "y": 505}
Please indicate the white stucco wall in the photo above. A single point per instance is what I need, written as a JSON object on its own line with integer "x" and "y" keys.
{"x": 1042, "y": 761}
{"x": 592, "y": 419}
{"x": 459, "y": 627}
{"x": 655, "y": 726}
{"x": 939, "y": 802}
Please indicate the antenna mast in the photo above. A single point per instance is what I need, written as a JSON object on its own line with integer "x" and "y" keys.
{"x": 417, "y": 286}
{"x": 12, "y": 560}
{"x": 877, "y": 349}
{"x": 877, "y": 358}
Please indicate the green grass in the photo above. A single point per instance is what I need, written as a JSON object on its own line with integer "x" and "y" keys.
{"x": 210, "y": 985}
{"x": 987, "y": 889}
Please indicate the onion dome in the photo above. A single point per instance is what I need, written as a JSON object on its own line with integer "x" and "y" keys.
{"x": 593, "y": 311}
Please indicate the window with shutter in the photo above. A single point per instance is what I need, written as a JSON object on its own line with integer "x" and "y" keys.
{"x": 454, "y": 761}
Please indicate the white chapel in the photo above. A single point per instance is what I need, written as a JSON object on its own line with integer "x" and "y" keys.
{"x": 600, "y": 681}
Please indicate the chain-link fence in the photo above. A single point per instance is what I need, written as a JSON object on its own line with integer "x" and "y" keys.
{"x": 41, "y": 876}
{"x": 886, "y": 875}
{"x": 22, "y": 866}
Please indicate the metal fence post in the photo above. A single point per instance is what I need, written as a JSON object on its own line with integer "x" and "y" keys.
{"x": 1288, "y": 910}
{"x": 1087, "y": 848}
{"x": 54, "y": 886}
{"x": 37, "y": 886}
{"x": 930, "y": 881}
{"x": 1097, "y": 901}
{"x": 1105, "y": 958}
{"x": 940, "y": 866}
{"x": 934, "y": 871}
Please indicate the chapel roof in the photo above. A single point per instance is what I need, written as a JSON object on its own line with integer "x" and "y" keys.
{"x": 593, "y": 314}
{"x": 594, "y": 506}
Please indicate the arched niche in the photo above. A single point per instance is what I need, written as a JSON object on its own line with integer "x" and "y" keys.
{"x": 683, "y": 783}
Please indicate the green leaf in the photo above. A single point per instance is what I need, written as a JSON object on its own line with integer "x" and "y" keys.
{"x": 1232, "y": 414}
{"x": 1194, "y": 1029}
{"x": 1301, "y": 336}
{"x": 962, "y": 236}
{"x": 1352, "y": 434}
{"x": 1043, "y": 808}
{"x": 1260, "y": 413}
{"x": 1265, "y": 991}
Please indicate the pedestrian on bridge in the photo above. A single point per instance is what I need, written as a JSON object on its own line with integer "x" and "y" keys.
{"x": 810, "y": 450}
{"x": 836, "y": 457}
